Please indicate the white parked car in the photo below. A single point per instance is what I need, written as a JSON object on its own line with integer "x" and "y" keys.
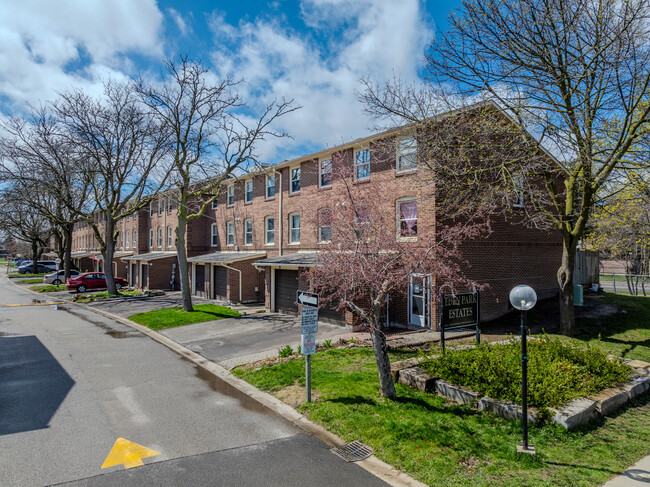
{"x": 56, "y": 278}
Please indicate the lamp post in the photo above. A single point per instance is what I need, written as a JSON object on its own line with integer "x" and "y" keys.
{"x": 523, "y": 298}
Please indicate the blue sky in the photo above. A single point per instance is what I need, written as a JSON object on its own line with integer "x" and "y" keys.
{"x": 314, "y": 51}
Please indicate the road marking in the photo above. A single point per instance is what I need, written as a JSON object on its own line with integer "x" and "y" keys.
{"x": 31, "y": 304}
{"x": 128, "y": 453}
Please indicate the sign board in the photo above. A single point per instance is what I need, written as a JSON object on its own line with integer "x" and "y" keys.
{"x": 57, "y": 261}
{"x": 308, "y": 344}
{"x": 307, "y": 299}
{"x": 460, "y": 309}
{"x": 309, "y": 320}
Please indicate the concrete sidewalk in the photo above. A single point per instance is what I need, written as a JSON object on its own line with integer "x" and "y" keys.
{"x": 638, "y": 475}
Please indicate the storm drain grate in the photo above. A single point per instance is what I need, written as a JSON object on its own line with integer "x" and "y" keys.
{"x": 353, "y": 452}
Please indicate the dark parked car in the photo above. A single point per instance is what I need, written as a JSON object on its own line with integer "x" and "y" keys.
{"x": 92, "y": 280}
{"x": 46, "y": 266}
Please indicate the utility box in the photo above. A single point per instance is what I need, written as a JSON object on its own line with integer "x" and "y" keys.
{"x": 578, "y": 297}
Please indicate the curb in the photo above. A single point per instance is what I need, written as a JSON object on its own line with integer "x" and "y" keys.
{"x": 373, "y": 465}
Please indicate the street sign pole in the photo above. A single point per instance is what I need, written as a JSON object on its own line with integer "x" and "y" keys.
{"x": 308, "y": 376}
{"x": 308, "y": 329}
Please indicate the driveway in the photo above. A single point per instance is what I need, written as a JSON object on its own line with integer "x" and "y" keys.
{"x": 228, "y": 342}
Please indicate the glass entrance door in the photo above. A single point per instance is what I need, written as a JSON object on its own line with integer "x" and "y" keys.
{"x": 419, "y": 300}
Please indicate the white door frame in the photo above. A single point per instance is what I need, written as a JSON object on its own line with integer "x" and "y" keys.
{"x": 423, "y": 321}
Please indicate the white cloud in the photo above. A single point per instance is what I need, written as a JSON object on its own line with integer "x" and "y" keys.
{"x": 320, "y": 69}
{"x": 48, "y": 46}
{"x": 180, "y": 22}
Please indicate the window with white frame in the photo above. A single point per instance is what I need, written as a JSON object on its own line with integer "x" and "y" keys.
{"x": 407, "y": 217}
{"x": 214, "y": 235}
{"x": 214, "y": 204}
{"x": 362, "y": 164}
{"x": 160, "y": 207}
{"x": 135, "y": 213}
{"x": 270, "y": 185}
{"x": 133, "y": 242}
{"x": 169, "y": 204}
{"x": 249, "y": 191}
{"x": 325, "y": 173}
{"x": 269, "y": 230}
{"x": 518, "y": 183}
{"x": 169, "y": 236}
{"x": 324, "y": 225}
{"x": 407, "y": 154}
{"x": 127, "y": 240}
{"x": 151, "y": 209}
{"x": 159, "y": 237}
{"x": 295, "y": 180}
{"x": 128, "y": 217}
{"x": 294, "y": 228}
{"x": 151, "y": 238}
{"x": 230, "y": 193}
{"x": 230, "y": 233}
{"x": 119, "y": 240}
{"x": 248, "y": 232}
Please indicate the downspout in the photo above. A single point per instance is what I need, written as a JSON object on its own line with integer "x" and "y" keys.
{"x": 280, "y": 215}
{"x": 240, "y": 279}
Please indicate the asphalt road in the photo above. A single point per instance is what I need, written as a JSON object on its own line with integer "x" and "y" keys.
{"x": 73, "y": 382}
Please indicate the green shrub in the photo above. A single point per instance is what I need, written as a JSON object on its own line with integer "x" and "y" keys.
{"x": 558, "y": 370}
{"x": 286, "y": 351}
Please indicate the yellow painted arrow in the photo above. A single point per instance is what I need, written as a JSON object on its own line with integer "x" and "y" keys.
{"x": 128, "y": 453}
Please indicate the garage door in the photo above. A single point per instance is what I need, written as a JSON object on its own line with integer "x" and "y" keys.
{"x": 286, "y": 286}
{"x": 328, "y": 314}
{"x": 220, "y": 283}
{"x": 199, "y": 275}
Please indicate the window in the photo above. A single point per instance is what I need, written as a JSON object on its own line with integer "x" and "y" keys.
{"x": 294, "y": 228}
{"x": 362, "y": 164}
{"x": 128, "y": 217}
{"x": 214, "y": 204}
{"x": 159, "y": 237}
{"x": 231, "y": 195}
{"x": 270, "y": 185}
{"x": 407, "y": 217}
{"x": 518, "y": 182}
{"x": 407, "y": 157}
{"x": 230, "y": 233}
{"x": 119, "y": 239}
{"x": 133, "y": 239}
{"x": 169, "y": 204}
{"x": 151, "y": 237}
{"x": 269, "y": 230}
{"x": 215, "y": 235}
{"x": 160, "y": 208}
{"x": 127, "y": 240}
{"x": 325, "y": 173}
{"x": 135, "y": 213}
{"x": 169, "y": 236}
{"x": 295, "y": 180}
{"x": 249, "y": 191}
{"x": 151, "y": 209}
{"x": 324, "y": 225}
{"x": 248, "y": 232}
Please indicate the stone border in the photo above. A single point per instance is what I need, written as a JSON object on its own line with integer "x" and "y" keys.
{"x": 571, "y": 415}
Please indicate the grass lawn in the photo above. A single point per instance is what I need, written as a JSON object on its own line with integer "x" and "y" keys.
{"x": 49, "y": 288}
{"x": 16, "y": 275}
{"x": 31, "y": 281}
{"x": 440, "y": 443}
{"x": 87, "y": 298}
{"x": 173, "y": 317}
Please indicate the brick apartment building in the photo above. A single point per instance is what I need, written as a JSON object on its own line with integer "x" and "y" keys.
{"x": 264, "y": 229}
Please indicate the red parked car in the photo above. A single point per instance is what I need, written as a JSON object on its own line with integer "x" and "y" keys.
{"x": 92, "y": 280}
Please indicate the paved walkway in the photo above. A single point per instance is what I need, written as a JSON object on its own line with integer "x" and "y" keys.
{"x": 638, "y": 475}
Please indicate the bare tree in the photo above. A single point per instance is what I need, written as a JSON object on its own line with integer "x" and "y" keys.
{"x": 574, "y": 73}
{"x": 20, "y": 221}
{"x": 39, "y": 160}
{"x": 122, "y": 152}
{"x": 211, "y": 139}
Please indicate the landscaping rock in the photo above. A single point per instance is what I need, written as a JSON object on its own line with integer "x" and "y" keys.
{"x": 639, "y": 364}
{"x": 417, "y": 378}
{"x": 506, "y": 409}
{"x": 459, "y": 394}
{"x": 396, "y": 367}
{"x": 636, "y": 387}
{"x": 610, "y": 400}
{"x": 575, "y": 413}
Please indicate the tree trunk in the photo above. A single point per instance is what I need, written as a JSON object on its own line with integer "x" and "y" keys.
{"x": 108, "y": 258}
{"x": 34, "y": 257}
{"x": 565, "y": 280}
{"x": 383, "y": 363}
{"x": 182, "y": 258}
{"x": 67, "y": 251}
